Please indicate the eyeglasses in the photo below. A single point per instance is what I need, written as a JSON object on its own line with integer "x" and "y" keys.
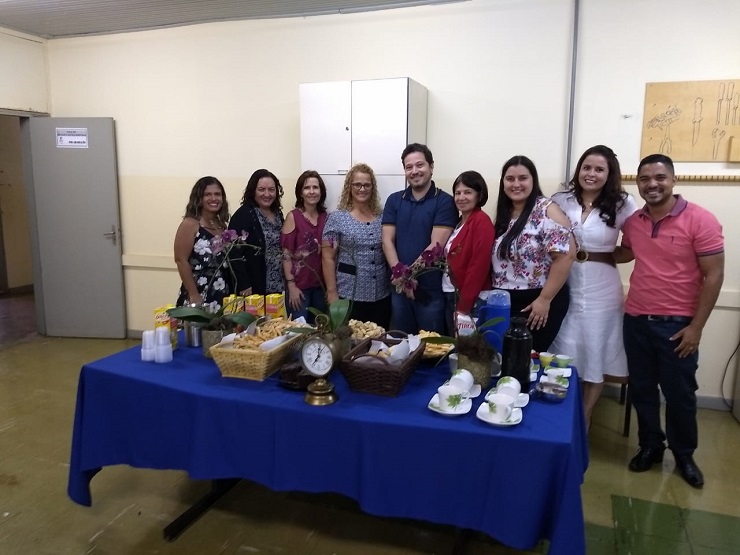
{"x": 359, "y": 186}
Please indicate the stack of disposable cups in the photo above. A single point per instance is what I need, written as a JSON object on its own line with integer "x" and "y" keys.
{"x": 162, "y": 345}
{"x": 147, "y": 346}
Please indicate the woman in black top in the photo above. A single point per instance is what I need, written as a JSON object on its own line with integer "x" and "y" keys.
{"x": 259, "y": 271}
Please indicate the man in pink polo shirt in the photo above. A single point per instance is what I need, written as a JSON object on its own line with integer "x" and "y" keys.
{"x": 678, "y": 250}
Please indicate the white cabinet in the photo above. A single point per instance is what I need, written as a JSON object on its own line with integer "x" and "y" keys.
{"x": 347, "y": 122}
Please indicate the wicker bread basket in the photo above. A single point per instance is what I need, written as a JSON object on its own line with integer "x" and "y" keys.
{"x": 370, "y": 374}
{"x": 253, "y": 364}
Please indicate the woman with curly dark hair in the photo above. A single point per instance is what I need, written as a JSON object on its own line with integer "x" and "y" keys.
{"x": 591, "y": 333}
{"x": 206, "y": 216}
{"x": 259, "y": 269}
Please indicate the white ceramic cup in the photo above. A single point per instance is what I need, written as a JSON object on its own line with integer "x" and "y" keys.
{"x": 453, "y": 362}
{"x": 462, "y": 379}
{"x": 499, "y": 407}
{"x": 509, "y": 382}
{"x": 562, "y": 361}
{"x": 451, "y": 398}
{"x": 546, "y": 359}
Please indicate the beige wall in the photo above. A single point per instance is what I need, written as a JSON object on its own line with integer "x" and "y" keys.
{"x": 222, "y": 99}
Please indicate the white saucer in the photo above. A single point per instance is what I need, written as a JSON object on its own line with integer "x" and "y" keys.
{"x": 521, "y": 401}
{"x": 515, "y": 418}
{"x": 561, "y": 381}
{"x": 464, "y": 408}
{"x": 557, "y": 371}
{"x": 474, "y": 391}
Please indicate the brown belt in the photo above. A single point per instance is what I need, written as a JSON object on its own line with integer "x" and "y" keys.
{"x": 605, "y": 257}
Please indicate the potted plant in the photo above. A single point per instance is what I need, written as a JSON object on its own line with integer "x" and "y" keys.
{"x": 474, "y": 353}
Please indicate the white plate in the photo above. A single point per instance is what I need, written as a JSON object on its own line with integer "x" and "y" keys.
{"x": 521, "y": 401}
{"x": 464, "y": 408}
{"x": 556, "y": 371}
{"x": 474, "y": 391}
{"x": 515, "y": 418}
{"x": 563, "y": 382}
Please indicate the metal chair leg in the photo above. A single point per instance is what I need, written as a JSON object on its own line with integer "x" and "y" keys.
{"x": 627, "y": 410}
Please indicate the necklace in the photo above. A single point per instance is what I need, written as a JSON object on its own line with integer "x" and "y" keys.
{"x": 209, "y": 225}
{"x": 587, "y": 206}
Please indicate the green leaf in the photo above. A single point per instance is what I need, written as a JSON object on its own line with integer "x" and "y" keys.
{"x": 338, "y": 312}
{"x": 241, "y": 318}
{"x": 315, "y": 311}
{"x": 491, "y": 322}
{"x": 302, "y": 330}
{"x": 191, "y": 314}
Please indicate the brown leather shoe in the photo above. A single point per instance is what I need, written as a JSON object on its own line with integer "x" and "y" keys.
{"x": 689, "y": 471}
{"x": 645, "y": 458}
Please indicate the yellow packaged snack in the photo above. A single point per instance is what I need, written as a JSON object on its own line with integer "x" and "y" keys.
{"x": 162, "y": 319}
{"x": 275, "y": 305}
{"x": 255, "y": 305}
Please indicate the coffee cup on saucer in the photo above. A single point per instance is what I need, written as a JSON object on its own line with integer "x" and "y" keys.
{"x": 462, "y": 378}
{"x": 451, "y": 398}
{"x": 509, "y": 385}
{"x": 562, "y": 361}
{"x": 546, "y": 359}
{"x": 499, "y": 407}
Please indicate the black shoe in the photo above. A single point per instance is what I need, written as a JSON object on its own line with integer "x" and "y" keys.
{"x": 689, "y": 471}
{"x": 645, "y": 458}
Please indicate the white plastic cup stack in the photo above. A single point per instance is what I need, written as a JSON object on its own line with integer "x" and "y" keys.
{"x": 162, "y": 345}
{"x": 147, "y": 346}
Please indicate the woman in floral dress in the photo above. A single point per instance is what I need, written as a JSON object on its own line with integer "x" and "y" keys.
{"x": 533, "y": 251}
{"x": 204, "y": 275}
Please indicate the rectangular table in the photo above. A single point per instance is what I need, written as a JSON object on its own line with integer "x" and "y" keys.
{"x": 394, "y": 456}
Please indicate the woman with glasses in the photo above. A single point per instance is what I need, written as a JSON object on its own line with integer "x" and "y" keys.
{"x": 353, "y": 262}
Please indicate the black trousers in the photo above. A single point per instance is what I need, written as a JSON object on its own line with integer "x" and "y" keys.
{"x": 543, "y": 337}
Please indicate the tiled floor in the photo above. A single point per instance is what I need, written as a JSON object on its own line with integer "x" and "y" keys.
{"x": 650, "y": 513}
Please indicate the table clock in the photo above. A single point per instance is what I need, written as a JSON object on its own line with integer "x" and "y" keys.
{"x": 319, "y": 357}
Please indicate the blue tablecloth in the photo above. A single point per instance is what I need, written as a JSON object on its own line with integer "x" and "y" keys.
{"x": 393, "y": 455}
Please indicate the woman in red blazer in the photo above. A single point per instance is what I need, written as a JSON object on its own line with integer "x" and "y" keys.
{"x": 469, "y": 247}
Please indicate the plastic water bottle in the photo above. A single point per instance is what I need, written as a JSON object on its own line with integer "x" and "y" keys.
{"x": 497, "y": 306}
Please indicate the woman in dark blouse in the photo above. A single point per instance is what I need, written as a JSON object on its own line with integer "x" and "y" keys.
{"x": 259, "y": 270}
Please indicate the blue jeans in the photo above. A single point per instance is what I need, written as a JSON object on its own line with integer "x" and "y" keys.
{"x": 411, "y": 315}
{"x": 653, "y": 364}
{"x": 313, "y": 296}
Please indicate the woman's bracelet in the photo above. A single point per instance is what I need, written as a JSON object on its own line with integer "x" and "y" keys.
{"x": 289, "y": 280}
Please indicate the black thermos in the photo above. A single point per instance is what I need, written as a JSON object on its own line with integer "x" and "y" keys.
{"x": 517, "y": 352}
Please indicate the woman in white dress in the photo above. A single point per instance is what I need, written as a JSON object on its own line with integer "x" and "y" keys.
{"x": 591, "y": 333}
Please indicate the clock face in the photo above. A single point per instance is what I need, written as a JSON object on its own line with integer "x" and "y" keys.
{"x": 316, "y": 357}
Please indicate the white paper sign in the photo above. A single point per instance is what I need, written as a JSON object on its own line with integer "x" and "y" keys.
{"x": 71, "y": 137}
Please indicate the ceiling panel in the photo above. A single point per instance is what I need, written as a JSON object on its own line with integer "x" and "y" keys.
{"x": 67, "y": 18}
